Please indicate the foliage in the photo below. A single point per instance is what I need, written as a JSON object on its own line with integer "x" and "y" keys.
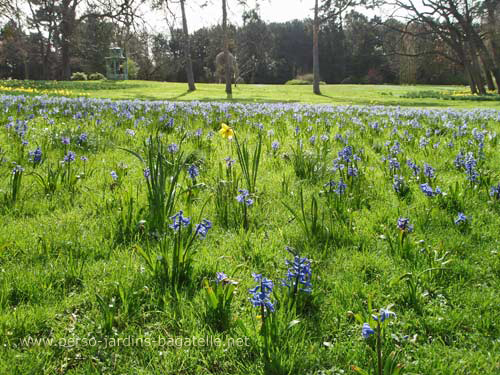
{"x": 301, "y": 82}
{"x": 96, "y": 77}
{"x": 79, "y": 76}
{"x": 451, "y": 95}
{"x": 133, "y": 69}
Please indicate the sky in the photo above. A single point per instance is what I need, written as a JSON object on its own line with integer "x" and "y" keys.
{"x": 270, "y": 11}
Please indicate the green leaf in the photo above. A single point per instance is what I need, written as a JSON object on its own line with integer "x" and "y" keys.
{"x": 133, "y": 153}
{"x": 211, "y": 297}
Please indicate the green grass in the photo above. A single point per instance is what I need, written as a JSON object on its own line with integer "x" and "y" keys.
{"x": 393, "y": 95}
{"x": 72, "y": 253}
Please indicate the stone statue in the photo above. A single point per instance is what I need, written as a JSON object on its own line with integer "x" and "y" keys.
{"x": 220, "y": 71}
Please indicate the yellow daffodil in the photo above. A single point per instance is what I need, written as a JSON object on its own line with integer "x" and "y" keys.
{"x": 226, "y": 131}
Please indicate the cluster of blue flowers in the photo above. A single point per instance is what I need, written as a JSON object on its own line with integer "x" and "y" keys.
{"x": 69, "y": 157}
{"x": 423, "y": 142}
{"x": 298, "y": 276}
{"x": 243, "y": 197}
{"x": 404, "y": 225}
{"x": 347, "y": 155}
{"x": 338, "y": 188}
{"x": 82, "y": 138}
{"x": 398, "y": 183}
{"x": 352, "y": 171}
{"x": 172, "y": 148}
{"x": 469, "y": 164}
{"x": 17, "y": 169}
{"x": 35, "y": 156}
{"x": 396, "y": 148}
{"x": 193, "y": 171}
{"x": 495, "y": 192}
{"x": 367, "y": 331}
{"x": 427, "y": 190}
{"x": 470, "y": 167}
{"x": 229, "y": 162}
{"x": 394, "y": 164}
{"x": 429, "y": 171}
{"x": 202, "y": 228}
{"x": 461, "y": 219}
{"x": 178, "y": 221}
{"x": 414, "y": 167}
{"x": 262, "y": 292}
{"x": 221, "y": 277}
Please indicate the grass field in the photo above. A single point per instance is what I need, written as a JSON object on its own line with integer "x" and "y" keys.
{"x": 332, "y": 94}
{"x": 348, "y": 236}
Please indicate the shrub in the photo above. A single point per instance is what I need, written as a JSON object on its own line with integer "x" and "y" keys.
{"x": 301, "y": 82}
{"x": 309, "y": 77}
{"x": 96, "y": 77}
{"x": 133, "y": 69}
{"x": 304, "y": 79}
{"x": 79, "y": 76}
{"x": 296, "y": 82}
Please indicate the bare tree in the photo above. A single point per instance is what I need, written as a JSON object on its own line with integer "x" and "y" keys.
{"x": 186, "y": 43}
{"x": 316, "y": 76}
{"x": 68, "y": 14}
{"x": 456, "y": 23}
{"x": 227, "y": 59}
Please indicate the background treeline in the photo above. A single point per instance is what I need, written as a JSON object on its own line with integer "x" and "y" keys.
{"x": 354, "y": 49}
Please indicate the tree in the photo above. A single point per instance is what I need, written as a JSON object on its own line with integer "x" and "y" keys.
{"x": 44, "y": 19}
{"x": 254, "y": 44}
{"x": 456, "y": 22}
{"x": 92, "y": 37}
{"x": 316, "y": 78}
{"x": 66, "y": 15}
{"x": 291, "y": 49}
{"x": 14, "y": 51}
{"x": 228, "y": 67}
{"x": 187, "y": 50}
{"x": 186, "y": 45}
{"x": 330, "y": 9}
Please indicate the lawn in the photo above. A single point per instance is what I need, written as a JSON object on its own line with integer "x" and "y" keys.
{"x": 393, "y": 95}
{"x": 145, "y": 237}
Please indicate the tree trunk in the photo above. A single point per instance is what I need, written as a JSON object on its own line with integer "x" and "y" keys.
{"x": 477, "y": 47}
{"x": 227, "y": 61}
{"x": 476, "y": 73}
{"x": 316, "y": 78}
{"x": 496, "y": 74}
{"x": 472, "y": 83}
{"x": 488, "y": 74}
{"x": 67, "y": 25}
{"x": 65, "y": 61}
{"x": 489, "y": 63}
{"x": 187, "y": 50}
{"x": 26, "y": 68}
{"x": 491, "y": 6}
